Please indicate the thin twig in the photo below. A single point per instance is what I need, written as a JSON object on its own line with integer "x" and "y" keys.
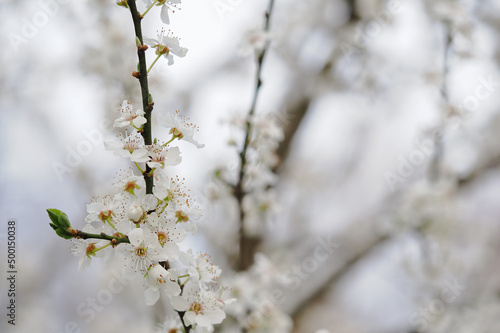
{"x": 114, "y": 239}
{"x": 435, "y": 165}
{"x": 247, "y": 244}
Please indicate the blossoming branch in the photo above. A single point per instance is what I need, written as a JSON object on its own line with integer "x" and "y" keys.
{"x": 149, "y": 212}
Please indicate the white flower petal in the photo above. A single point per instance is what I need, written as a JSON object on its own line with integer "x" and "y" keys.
{"x": 164, "y": 14}
{"x": 173, "y": 156}
{"x": 170, "y": 59}
{"x": 202, "y": 320}
{"x": 149, "y": 202}
{"x": 172, "y": 289}
{"x": 150, "y": 41}
{"x": 113, "y": 145}
{"x": 216, "y": 316}
{"x": 190, "y": 318}
{"x": 136, "y": 236}
{"x": 179, "y": 303}
{"x": 151, "y": 295}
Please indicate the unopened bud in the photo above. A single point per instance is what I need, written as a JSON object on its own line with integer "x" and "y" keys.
{"x": 135, "y": 213}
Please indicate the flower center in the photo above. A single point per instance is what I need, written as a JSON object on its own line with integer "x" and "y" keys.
{"x": 162, "y": 49}
{"x": 105, "y": 215}
{"x": 181, "y": 216}
{"x": 90, "y": 250}
{"x": 130, "y": 187}
{"x": 162, "y": 238}
{"x": 141, "y": 251}
{"x": 176, "y": 132}
{"x": 196, "y": 308}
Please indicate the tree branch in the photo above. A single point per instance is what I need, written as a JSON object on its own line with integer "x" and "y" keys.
{"x": 337, "y": 275}
{"x": 147, "y": 104}
{"x": 434, "y": 170}
{"x": 114, "y": 239}
{"x": 143, "y": 80}
{"x": 249, "y": 244}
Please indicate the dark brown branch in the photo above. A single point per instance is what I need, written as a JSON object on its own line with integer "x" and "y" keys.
{"x": 491, "y": 164}
{"x": 147, "y": 104}
{"x": 249, "y": 244}
{"x": 353, "y": 11}
{"x": 143, "y": 80}
{"x": 296, "y": 114}
{"x": 337, "y": 275}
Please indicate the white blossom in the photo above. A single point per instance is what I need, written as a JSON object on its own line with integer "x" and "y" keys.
{"x": 129, "y": 117}
{"x": 132, "y": 146}
{"x": 143, "y": 250}
{"x": 167, "y": 5}
{"x": 200, "y": 268}
{"x": 268, "y": 318}
{"x": 162, "y": 156}
{"x": 103, "y": 209}
{"x": 179, "y": 128}
{"x": 168, "y": 234}
{"x": 85, "y": 249}
{"x": 131, "y": 184}
{"x": 158, "y": 279}
{"x": 166, "y": 45}
{"x": 254, "y": 40}
{"x": 200, "y": 308}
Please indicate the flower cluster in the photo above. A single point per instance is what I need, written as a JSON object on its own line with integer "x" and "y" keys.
{"x": 257, "y": 309}
{"x": 155, "y": 224}
{"x": 260, "y": 202}
{"x": 148, "y": 214}
{"x": 258, "y": 172}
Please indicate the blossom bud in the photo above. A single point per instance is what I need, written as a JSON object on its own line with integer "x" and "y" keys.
{"x": 135, "y": 213}
{"x": 122, "y": 3}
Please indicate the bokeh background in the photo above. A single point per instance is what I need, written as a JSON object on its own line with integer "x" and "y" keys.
{"x": 391, "y": 117}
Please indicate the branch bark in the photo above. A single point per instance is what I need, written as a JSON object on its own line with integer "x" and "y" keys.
{"x": 114, "y": 239}
{"x": 249, "y": 244}
{"x": 336, "y": 276}
{"x": 147, "y": 103}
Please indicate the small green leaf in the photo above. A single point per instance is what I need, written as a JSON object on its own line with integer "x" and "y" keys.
{"x": 60, "y": 223}
{"x": 54, "y": 214}
{"x": 122, "y": 3}
{"x": 64, "y": 234}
